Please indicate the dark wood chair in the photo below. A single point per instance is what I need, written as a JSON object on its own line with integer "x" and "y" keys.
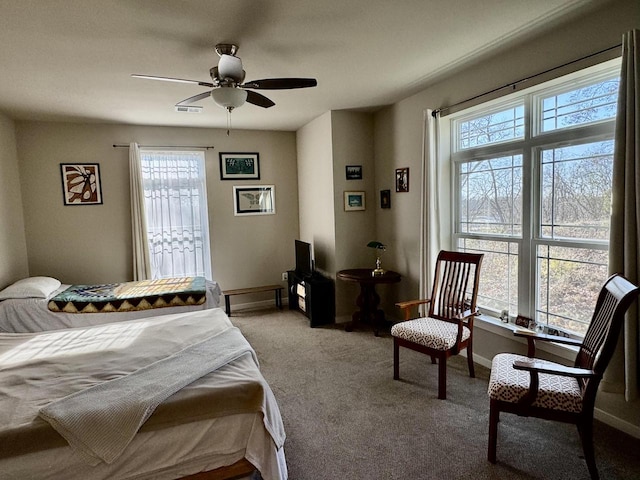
{"x": 532, "y": 387}
{"x": 447, "y": 328}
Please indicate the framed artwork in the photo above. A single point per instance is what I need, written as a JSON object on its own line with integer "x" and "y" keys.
{"x": 385, "y": 198}
{"x": 525, "y": 322}
{"x": 354, "y": 201}
{"x": 81, "y": 183}
{"x": 250, "y": 200}
{"x": 354, "y": 172}
{"x": 239, "y": 166}
{"x": 402, "y": 179}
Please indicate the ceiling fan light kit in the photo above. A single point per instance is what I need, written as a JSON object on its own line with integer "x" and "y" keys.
{"x": 229, "y": 97}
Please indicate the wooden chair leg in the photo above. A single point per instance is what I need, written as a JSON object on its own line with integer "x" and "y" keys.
{"x": 396, "y": 360}
{"x": 585, "y": 429}
{"x": 494, "y": 417}
{"x": 442, "y": 377}
{"x": 472, "y": 371}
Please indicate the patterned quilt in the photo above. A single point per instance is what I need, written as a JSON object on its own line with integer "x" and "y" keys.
{"x": 130, "y": 296}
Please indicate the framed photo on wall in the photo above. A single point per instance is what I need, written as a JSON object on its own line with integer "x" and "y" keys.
{"x": 250, "y": 200}
{"x": 385, "y": 198}
{"x": 354, "y": 201}
{"x": 81, "y": 183}
{"x": 239, "y": 166}
{"x": 402, "y": 179}
{"x": 353, "y": 172}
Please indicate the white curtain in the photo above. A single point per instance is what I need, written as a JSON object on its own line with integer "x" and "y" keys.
{"x": 431, "y": 226}
{"x": 175, "y": 197}
{"x": 622, "y": 374}
{"x": 140, "y": 240}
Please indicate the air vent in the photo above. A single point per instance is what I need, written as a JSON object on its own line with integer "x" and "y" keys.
{"x": 186, "y": 109}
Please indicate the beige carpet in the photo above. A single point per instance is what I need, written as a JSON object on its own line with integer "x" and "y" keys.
{"x": 346, "y": 418}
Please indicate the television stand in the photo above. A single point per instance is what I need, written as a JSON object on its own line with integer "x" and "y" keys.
{"x": 314, "y": 296}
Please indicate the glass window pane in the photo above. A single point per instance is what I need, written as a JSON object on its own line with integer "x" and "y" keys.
{"x": 498, "y": 288}
{"x": 176, "y": 213}
{"x": 569, "y": 280}
{"x": 581, "y": 106}
{"x": 491, "y": 196}
{"x": 576, "y": 191}
{"x": 496, "y": 127}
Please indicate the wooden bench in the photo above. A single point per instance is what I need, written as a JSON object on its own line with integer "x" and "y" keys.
{"x": 243, "y": 291}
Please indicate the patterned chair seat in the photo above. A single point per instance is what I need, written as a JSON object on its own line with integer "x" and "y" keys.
{"x": 555, "y": 392}
{"x": 430, "y": 332}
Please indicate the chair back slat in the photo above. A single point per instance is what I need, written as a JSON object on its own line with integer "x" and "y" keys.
{"x": 601, "y": 338}
{"x": 455, "y": 284}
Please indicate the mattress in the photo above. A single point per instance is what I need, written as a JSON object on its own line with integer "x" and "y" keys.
{"x": 22, "y": 315}
{"x": 184, "y": 435}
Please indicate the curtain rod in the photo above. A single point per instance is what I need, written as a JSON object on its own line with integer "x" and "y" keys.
{"x": 522, "y": 80}
{"x": 209, "y": 147}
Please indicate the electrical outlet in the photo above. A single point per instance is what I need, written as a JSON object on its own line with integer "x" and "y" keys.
{"x": 285, "y": 276}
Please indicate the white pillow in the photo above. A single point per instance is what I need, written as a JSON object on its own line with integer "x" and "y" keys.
{"x": 32, "y": 287}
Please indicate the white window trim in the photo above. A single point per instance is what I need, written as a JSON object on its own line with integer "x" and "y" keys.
{"x": 533, "y": 141}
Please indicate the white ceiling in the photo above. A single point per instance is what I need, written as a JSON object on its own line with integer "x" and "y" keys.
{"x": 71, "y": 60}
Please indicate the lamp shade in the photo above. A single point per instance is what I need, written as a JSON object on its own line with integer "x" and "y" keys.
{"x": 229, "y": 97}
{"x": 378, "y": 245}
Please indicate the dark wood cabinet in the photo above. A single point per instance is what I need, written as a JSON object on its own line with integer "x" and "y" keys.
{"x": 313, "y": 295}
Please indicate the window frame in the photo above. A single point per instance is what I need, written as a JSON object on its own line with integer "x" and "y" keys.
{"x": 530, "y": 147}
{"x": 202, "y": 191}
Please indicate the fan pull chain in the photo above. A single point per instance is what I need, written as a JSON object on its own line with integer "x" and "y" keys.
{"x": 228, "y": 121}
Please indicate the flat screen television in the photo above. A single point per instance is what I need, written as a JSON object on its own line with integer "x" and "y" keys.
{"x": 304, "y": 259}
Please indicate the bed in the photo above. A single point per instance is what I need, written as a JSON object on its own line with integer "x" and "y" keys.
{"x": 25, "y": 306}
{"x": 52, "y": 382}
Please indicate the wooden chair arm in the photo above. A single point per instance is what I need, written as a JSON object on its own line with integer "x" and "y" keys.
{"x": 554, "y": 369}
{"x": 532, "y": 336}
{"x": 409, "y": 304}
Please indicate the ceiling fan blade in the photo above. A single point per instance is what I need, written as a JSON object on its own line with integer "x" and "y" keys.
{"x": 195, "y": 98}
{"x": 259, "y": 99}
{"x": 281, "y": 83}
{"x": 169, "y": 79}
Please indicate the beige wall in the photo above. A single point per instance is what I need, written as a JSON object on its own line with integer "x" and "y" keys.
{"x": 399, "y": 134}
{"x": 89, "y": 244}
{"x": 13, "y": 246}
{"x": 316, "y": 192}
{"x": 325, "y": 147}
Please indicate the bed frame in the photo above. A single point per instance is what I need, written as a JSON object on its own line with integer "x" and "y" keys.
{"x": 242, "y": 468}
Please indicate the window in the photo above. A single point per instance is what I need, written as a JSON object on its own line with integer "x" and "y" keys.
{"x": 532, "y": 190}
{"x": 176, "y": 213}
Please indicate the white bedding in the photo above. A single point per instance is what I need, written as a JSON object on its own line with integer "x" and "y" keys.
{"x": 20, "y": 315}
{"x": 38, "y": 368}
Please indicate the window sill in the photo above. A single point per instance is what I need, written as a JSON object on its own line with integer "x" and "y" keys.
{"x": 497, "y": 327}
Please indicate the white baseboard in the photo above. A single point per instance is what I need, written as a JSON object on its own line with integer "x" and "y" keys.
{"x": 617, "y": 423}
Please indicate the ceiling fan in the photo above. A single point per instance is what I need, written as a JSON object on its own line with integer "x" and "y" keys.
{"x": 227, "y": 87}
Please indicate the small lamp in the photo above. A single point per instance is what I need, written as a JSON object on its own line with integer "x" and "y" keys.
{"x": 380, "y": 248}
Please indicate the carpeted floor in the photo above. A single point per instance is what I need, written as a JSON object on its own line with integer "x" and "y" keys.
{"x": 346, "y": 418}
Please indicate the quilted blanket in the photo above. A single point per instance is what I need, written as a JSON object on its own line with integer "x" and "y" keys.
{"x": 130, "y": 296}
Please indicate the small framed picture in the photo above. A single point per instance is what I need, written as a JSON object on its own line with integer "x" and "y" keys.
{"x": 385, "y": 198}
{"x": 525, "y": 322}
{"x": 81, "y": 183}
{"x": 239, "y": 166}
{"x": 354, "y": 201}
{"x": 402, "y": 179}
{"x": 250, "y": 200}
{"x": 354, "y": 172}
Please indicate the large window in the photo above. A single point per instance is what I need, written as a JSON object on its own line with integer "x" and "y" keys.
{"x": 532, "y": 190}
{"x": 176, "y": 213}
